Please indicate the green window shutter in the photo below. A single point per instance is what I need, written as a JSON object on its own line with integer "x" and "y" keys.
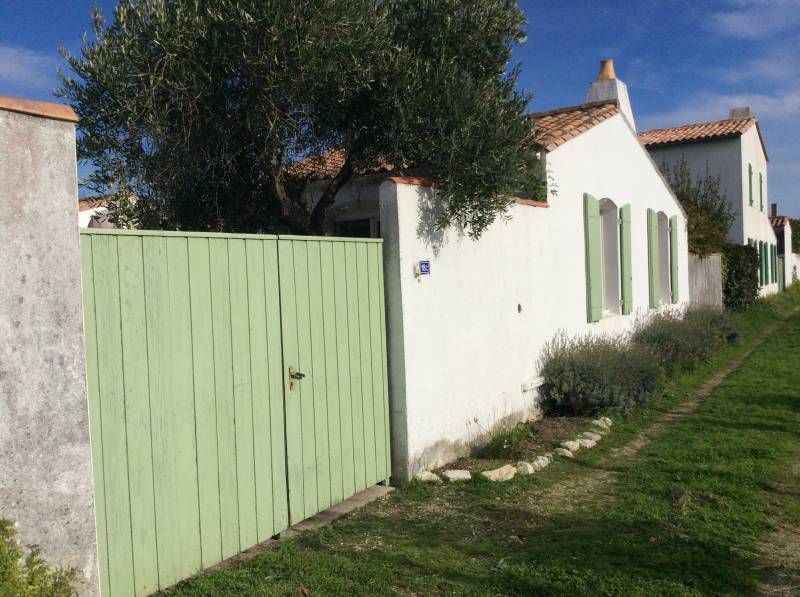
{"x": 761, "y": 279}
{"x": 750, "y": 179}
{"x": 652, "y": 256}
{"x": 626, "y": 270}
{"x": 749, "y": 242}
{"x": 774, "y": 264}
{"x": 761, "y": 190}
{"x": 594, "y": 284}
{"x": 673, "y": 258}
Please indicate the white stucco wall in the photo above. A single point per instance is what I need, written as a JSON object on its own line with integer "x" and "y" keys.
{"x": 729, "y": 159}
{"x": 464, "y": 341}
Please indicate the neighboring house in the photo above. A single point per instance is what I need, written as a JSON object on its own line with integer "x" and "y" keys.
{"x": 783, "y": 232}
{"x": 92, "y": 213}
{"x": 734, "y": 150}
{"x": 467, "y": 319}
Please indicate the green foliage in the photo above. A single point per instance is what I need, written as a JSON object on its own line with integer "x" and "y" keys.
{"x": 795, "y": 225}
{"x": 740, "y": 284}
{"x": 507, "y": 444}
{"x": 707, "y": 209}
{"x": 682, "y": 342}
{"x": 27, "y": 574}
{"x": 591, "y": 374}
{"x": 199, "y": 109}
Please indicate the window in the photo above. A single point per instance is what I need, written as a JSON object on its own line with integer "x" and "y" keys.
{"x": 662, "y": 250}
{"x": 663, "y": 258}
{"x": 750, "y": 181}
{"x": 609, "y": 256}
{"x": 362, "y": 228}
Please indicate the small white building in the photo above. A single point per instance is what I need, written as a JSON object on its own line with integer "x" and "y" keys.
{"x": 783, "y": 232}
{"x": 467, "y": 319}
{"x": 734, "y": 150}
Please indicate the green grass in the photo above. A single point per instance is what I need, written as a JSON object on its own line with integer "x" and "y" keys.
{"x": 683, "y": 516}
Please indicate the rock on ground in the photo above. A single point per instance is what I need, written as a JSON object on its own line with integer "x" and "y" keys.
{"x": 457, "y": 475}
{"x": 525, "y": 468}
{"x": 592, "y": 435}
{"x": 540, "y": 463}
{"x": 587, "y": 443}
{"x": 572, "y": 446}
{"x": 428, "y": 477}
{"x": 564, "y": 452}
{"x": 504, "y": 473}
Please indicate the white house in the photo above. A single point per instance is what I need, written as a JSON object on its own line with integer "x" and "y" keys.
{"x": 466, "y": 319}
{"x": 92, "y": 212}
{"x": 734, "y": 150}
{"x": 783, "y": 232}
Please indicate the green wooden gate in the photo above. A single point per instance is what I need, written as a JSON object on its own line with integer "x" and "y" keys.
{"x": 237, "y": 384}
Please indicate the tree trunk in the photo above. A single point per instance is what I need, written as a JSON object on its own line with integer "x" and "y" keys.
{"x": 317, "y": 221}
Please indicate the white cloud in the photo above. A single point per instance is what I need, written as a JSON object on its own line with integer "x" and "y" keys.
{"x": 27, "y": 72}
{"x": 707, "y": 106}
{"x": 754, "y": 19}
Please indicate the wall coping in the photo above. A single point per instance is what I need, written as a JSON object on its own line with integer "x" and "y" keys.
{"x": 49, "y": 110}
{"x": 424, "y": 182}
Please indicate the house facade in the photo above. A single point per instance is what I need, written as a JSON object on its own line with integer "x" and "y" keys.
{"x": 734, "y": 150}
{"x": 786, "y": 259}
{"x": 467, "y": 319}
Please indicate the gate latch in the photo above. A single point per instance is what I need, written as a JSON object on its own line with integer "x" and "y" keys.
{"x": 294, "y": 375}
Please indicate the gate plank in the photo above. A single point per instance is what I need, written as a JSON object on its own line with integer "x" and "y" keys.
{"x": 375, "y": 342}
{"x": 319, "y": 380}
{"x": 137, "y": 414}
{"x": 276, "y": 391}
{"x": 368, "y": 401}
{"x": 223, "y": 384}
{"x": 331, "y": 370}
{"x": 356, "y": 386}
{"x": 343, "y": 354}
{"x": 112, "y": 408}
{"x": 95, "y": 418}
{"x": 205, "y": 401}
{"x": 242, "y": 392}
{"x": 385, "y": 388}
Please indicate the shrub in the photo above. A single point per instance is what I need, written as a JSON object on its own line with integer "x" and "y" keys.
{"x": 587, "y": 375}
{"x": 740, "y": 284}
{"x": 27, "y": 575}
{"x": 680, "y": 342}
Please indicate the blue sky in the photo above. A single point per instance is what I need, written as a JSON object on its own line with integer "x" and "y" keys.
{"x": 684, "y": 61}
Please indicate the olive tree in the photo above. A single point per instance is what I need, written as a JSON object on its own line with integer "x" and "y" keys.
{"x": 201, "y": 109}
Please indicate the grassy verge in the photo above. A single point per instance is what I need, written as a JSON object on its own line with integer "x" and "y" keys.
{"x": 681, "y": 517}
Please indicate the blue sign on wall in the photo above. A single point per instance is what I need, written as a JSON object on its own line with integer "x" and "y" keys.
{"x": 424, "y": 268}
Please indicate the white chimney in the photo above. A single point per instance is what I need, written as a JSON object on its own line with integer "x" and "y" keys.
{"x": 608, "y": 87}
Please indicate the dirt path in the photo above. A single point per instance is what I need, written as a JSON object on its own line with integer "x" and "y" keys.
{"x": 781, "y": 547}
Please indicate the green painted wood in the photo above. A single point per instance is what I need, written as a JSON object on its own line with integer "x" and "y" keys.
{"x": 781, "y": 273}
{"x": 355, "y": 347}
{"x": 674, "y": 278}
{"x": 137, "y": 414}
{"x": 626, "y": 252}
{"x": 374, "y": 282}
{"x": 292, "y": 402}
{"x": 343, "y": 355}
{"x": 224, "y": 400}
{"x": 761, "y": 263}
{"x": 384, "y": 367}
{"x": 319, "y": 379}
{"x": 368, "y": 406}
{"x": 334, "y": 422}
{"x": 276, "y": 369}
{"x": 205, "y": 400}
{"x": 113, "y": 426}
{"x": 259, "y": 374}
{"x": 95, "y": 414}
{"x": 652, "y": 258}
{"x": 242, "y": 393}
{"x": 201, "y": 447}
{"x": 594, "y": 283}
{"x": 177, "y": 440}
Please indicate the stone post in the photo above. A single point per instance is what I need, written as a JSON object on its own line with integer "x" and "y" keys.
{"x": 45, "y": 456}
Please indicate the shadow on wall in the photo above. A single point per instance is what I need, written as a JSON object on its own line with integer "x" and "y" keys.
{"x": 429, "y": 209}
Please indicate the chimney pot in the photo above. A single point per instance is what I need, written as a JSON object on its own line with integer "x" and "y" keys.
{"x": 774, "y": 210}
{"x": 743, "y": 112}
{"x": 606, "y": 70}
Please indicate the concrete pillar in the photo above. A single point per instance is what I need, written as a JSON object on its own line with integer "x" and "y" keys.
{"x": 45, "y": 456}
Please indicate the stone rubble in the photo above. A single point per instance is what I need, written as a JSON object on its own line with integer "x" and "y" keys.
{"x": 504, "y": 473}
{"x": 457, "y": 475}
{"x": 428, "y": 477}
{"x": 570, "y": 445}
{"x": 586, "y": 443}
{"x": 564, "y": 452}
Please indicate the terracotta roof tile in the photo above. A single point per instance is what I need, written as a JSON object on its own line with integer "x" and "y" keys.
{"x": 327, "y": 165}
{"x": 731, "y": 127}
{"x": 92, "y": 203}
{"x": 555, "y": 127}
{"x": 778, "y": 221}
